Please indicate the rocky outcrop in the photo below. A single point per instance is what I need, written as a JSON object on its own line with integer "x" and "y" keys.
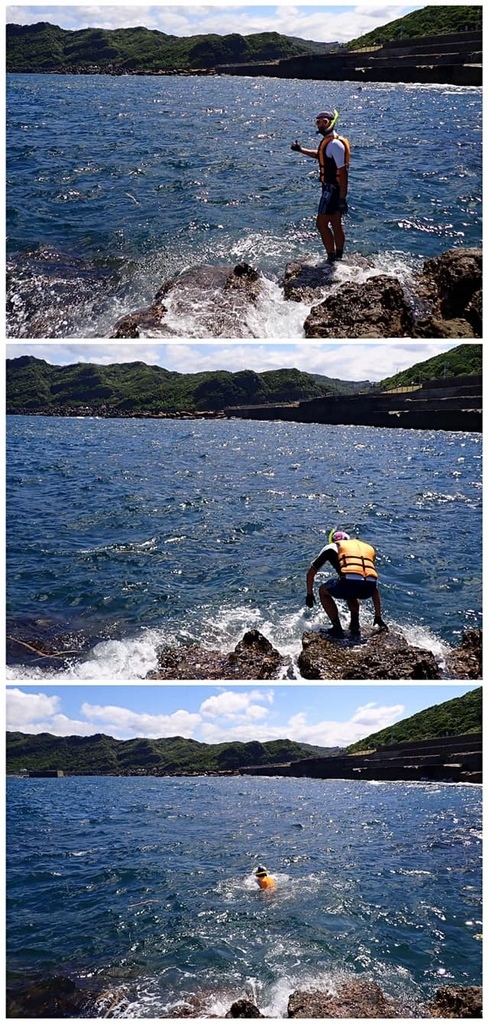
{"x": 371, "y": 656}
{"x": 357, "y": 998}
{"x": 243, "y": 1008}
{"x": 253, "y": 658}
{"x": 465, "y": 661}
{"x": 444, "y": 300}
{"x": 224, "y": 293}
{"x": 452, "y": 285}
{"x": 360, "y": 998}
{"x": 451, "y": 1001}
{"x": 376, "y": 308}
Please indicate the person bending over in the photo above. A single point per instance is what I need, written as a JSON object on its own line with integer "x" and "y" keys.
{"x": 356, "y": 580}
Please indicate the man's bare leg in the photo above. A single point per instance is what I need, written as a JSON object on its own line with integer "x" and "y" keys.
{"x": 330, "y": 608}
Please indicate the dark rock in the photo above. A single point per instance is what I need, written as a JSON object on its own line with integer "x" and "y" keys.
{"x": 452, "y": 283}
{"x": 373, "y": 656}
{"x": 376, "y": 308}
{"x": 474, "y": 313}
{"x": 435, "y": 327}
{"x": 52, "y": 997}
{"x": 307, "y": 282}
{"x": 355, "y": 998}
{"x": 138, "y": 324}
{"x": 458, "y": 1002}
{"x": 227, "y": 291}
{"x": 253, "y": 658}
{"x": 465, "y": 661}
{"x": 243, "y": 1008}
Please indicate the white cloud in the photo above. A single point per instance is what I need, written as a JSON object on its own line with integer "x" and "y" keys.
{"x": 123, "y": 723}
{"x": 372, "y": 717}
{"x": 26, "y": 709}
{"x": 367, "y": 719}
{"x": 224, "y": 717}
{"x": 231, "y": 706}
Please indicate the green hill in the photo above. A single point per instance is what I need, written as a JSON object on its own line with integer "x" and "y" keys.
{"x": 102, "y": 755}
{"x": 33, "y": 385}
{"x": 45, "y": 47}
{"x": 452, "y": 718}
{"x": 457, "y": 362}
{"x": 429, "y": 21}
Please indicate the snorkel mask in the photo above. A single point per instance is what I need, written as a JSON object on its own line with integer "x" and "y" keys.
{"x": 331, "y": 117}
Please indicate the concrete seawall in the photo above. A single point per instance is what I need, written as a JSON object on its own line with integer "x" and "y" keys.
{"x": 448, "y": 404}
{"x": 454, "y": 59}
{"x": 443, "y": 759}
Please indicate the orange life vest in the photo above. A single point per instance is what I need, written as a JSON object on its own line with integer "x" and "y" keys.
{"x": 358, "y": 557}
{"x": 328, "y": 170}
{"x": 266, "y": 883}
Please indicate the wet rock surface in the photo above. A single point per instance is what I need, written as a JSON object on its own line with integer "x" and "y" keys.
{"x": 355, "y": 998}
{"x": 445, "y": 300}
{"x": 453, "y": 284}
{"x": 465, "y": 661}
{"x": 376, "y": 308}
{"x": 451, "y": 1001}
{"x": 243, "y": 1008}
{"x": 373, "y": 655}
{"x": 254, "y": 657}
{"x": 222, "y": 293}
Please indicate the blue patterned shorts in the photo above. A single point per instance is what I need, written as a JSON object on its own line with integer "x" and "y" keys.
{"x": 328, "y": 202}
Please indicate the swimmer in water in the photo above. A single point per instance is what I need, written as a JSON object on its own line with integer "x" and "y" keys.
{"x": 265, "y": 881}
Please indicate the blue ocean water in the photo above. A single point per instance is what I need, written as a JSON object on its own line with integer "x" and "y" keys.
{"x": 114, "y": 185}
{"x": 144, "y": 888}
{"x": 124, "y": 535}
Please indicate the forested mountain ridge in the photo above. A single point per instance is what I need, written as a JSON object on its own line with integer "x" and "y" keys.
{"x": 47, "y": 47}
{"x": 33, "y": 385}
{"x": 461, "y": 361}
{"x": 429, "y": 21}
{"x": 103, "y": 755}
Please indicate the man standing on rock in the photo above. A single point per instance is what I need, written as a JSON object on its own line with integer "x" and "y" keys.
{"x": 333, "y": 154}
{"x": 354, "y": 562}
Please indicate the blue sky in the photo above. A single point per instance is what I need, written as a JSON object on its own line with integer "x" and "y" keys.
{"x": 338, "y": 23}
{"x": 323, "y": 714}
{"x": 347, "y": 361}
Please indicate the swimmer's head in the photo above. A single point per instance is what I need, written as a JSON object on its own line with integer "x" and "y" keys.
{"x": 335, "y": 535}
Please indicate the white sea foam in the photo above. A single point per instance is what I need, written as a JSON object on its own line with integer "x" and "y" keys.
{"x": 193, "y": 311}
{"x": 134, "y": 658}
